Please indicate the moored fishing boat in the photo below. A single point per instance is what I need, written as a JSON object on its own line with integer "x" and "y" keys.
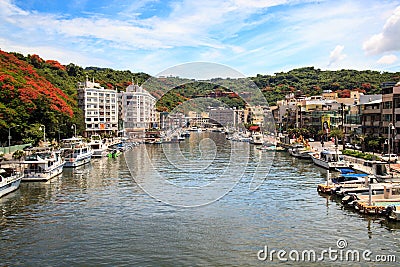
{"x": 299, "y": 151}
{"x": 329, "y": 159}
{"x": 10, "y": 179}
{"x": 97, "y": 145}
{"x": 257, "y": 138}
{"x": 76, "y": 152}
{"x": 43, "y": 164}
{"x": 270, "y": 147}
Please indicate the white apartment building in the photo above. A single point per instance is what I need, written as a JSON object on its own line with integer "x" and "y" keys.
{"x": 138, "y": 111}
{"x": 100, "y": 108}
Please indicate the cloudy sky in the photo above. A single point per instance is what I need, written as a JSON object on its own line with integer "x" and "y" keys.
{"x": 250, "y": 36}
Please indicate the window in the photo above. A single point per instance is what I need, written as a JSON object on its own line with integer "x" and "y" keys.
{"x": 387, "y": 105}
{"x": 387, "y": 117}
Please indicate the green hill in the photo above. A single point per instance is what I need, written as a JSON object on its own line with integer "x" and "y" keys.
{"x": 37, "y": 92}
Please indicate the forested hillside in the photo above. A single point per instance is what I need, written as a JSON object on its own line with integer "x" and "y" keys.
{"x": 36, "y": 92}
{"x": 311, "y": 81}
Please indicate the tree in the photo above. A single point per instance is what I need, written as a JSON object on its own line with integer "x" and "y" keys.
{"x": 336, "y": 133}
{"x": 18, "y": 154}
{"x": 373, "y": 144}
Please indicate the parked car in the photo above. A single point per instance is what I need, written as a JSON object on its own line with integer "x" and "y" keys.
{"x": 391, "y": 157}
{"x": 348, "y": 145}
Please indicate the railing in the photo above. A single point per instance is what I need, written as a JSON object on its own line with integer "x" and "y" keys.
{"x": 4, "y": 149}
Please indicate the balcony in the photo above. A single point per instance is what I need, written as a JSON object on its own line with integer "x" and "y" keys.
{"x": 372, "y": 111}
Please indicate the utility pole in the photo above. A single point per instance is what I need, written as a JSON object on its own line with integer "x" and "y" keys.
{"x": 343, "y": 128}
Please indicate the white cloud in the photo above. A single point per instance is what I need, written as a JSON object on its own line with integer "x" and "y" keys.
{"x": 336, "y": 55}
{"x": 258, "y": 3}
{"x": 388, "y": 39}
{"x": 189, "y": 23}
{"x": 387, "y": 59}
{"x": 65, "y": 56}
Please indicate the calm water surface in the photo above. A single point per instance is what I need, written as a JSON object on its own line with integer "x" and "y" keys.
{"x": 98, "y": 215}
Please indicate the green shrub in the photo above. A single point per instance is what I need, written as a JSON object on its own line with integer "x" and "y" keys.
{"x": 358, "y": 154}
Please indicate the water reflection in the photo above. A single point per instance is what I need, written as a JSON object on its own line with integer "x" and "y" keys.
{"x": 98, "y": 215}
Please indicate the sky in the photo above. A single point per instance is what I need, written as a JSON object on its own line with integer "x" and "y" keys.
{"x": 249, "y": 36}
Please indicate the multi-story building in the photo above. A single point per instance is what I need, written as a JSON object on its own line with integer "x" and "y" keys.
{"x": 100, "y": 108}
{"x": 222, "y": 116}
{"x": 169, "y": 121}
{"x": 391, "y": 113}
{"x": 371, "y": 112}
{"x": 198, "y": 119}
{"x": 137, "y": 111}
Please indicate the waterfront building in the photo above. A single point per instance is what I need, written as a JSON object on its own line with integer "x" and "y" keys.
{"x": 371, "y": 112}
{"x": 137, "y": 111}
{"x": 169, "y": 121}
{"x": 198, "y": 119}
{"x": 391, "y": 113}
{"x": 222, "y": 116}
{"x": 100, "y": 108}
{"x": 256, "y": 114}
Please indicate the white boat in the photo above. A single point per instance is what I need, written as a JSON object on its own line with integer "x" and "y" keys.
{"x": 43, "y": 165}
{"x": 10, "y": 179}
{"x": 299, "y": 151}
{"x": 329, "y": 159}
{"x": 257, "y": 138}
{"x": 271, "y": 147}
{"x": 76, "y": 152}
{"x": 97, "y": 145}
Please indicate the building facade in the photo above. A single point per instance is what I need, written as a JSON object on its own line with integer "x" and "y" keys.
{"x": 137, "y": 111}
{"x": 222, "y": 116}
{"x": 100, "y": 108}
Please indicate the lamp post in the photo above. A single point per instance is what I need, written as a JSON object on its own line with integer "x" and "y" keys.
{"x": 9, "y": 137}
{"x": 390, "y": 128}
{"x": 343, "y": 127}
{"x": 74, "y": 127}
{"x": 44, "y": 132}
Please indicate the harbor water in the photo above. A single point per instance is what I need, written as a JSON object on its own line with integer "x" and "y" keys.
{"x": 103, "y": 214}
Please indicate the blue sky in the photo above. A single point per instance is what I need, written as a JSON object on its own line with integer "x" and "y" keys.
{"x": 250, "y": 36}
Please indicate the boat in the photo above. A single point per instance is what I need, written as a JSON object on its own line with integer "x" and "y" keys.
{"x": 76, "y": 152}
{"x": 98, "y": 146}
{"x": 392, "y": 212}
{"x": 185, "y": 134}
{"x": 43, "y": 164}
{"x": 329, "y": 159}
{"x": 299, "y": 151}
{"x": 10, "y": 179}
{"x": 114, "y": 153}
{"x": 257, "y": 138}
{"x": 383, "y": 171}
{"x": 270, "y": 147}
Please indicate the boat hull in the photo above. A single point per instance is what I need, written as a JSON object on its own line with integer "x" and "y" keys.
{"x": 73, "y": 162}
{"x": 43, "y": 176}
{"x": 329, "y": 165}
{"x": 10, "y": 187}
{"x": 99, "y": 153}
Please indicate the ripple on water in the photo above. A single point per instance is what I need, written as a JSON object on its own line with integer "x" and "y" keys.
{"x": 101, "y": 216}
